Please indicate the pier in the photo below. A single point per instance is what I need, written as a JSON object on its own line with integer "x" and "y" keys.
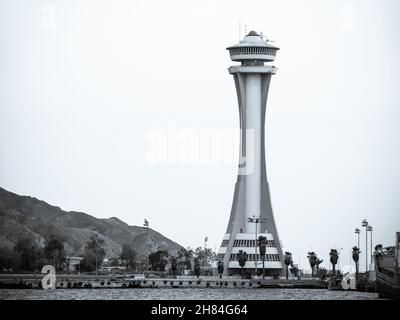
{"x": 110, "y": 282}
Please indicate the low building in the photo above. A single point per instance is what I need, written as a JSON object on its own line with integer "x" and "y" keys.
{"x": 73, "y": 263}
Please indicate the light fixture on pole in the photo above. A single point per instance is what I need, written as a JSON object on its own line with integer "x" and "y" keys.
{"x": 369, "y": 228}
{"x": 364, "y": 223}
{"x": 340, "y": 251}
{"x": 358, "y": 231}
{"x": 146, "y": 224}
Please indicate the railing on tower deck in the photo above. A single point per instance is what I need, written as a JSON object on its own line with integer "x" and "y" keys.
{"x": 247, "y": 243}
{"x": 253, "y": 50}
{"x": 251, "y": 257}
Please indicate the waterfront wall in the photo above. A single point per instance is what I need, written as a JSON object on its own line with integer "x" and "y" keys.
{"x": 103, "y": 282}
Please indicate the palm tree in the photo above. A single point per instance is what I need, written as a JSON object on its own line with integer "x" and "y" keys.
{"x": 188, "y": 255}
{"x": 262, "y": 243}
{"x": 197, "y": 268}
{"x": 378, "y": 254}
{"x": 356, "y": 256}
{"x": 312, "y": 259}
{"x": 181, "y": 262}
{"x": 317, "y": 263}
{"x": 288, "y": 262}
{"x": 295, "y": 271}
{"x": 334, "y": 257}
{"x": 242, "y": 258}
{"x": 322, "y": 273}
{"x": 174, "y": 265}
{"x": 220, "y": 268}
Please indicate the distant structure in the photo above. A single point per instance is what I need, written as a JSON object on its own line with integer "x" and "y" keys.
{"x": 73, "y": 263}
{"x": 251, "y": 214}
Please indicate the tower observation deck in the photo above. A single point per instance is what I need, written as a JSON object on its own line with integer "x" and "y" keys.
{"x": 251, "y": 213}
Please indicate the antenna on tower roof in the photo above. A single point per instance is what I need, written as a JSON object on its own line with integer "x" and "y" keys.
{"x": 240, "y": 30}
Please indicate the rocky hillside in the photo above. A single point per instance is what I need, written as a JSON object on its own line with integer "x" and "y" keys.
{"x": 23, "y": 216}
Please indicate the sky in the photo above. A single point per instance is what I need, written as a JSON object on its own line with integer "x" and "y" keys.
{"x": 87, "y": 87}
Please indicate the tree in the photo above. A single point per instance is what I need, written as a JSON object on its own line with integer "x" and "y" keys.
{"x": 174, "y": 265}
{"x": 317, "y": 263}
{"x": 181, "y": 260}
{"x": 295, "y": 271}
{"x": 205, "y": 256}
{"x": 197, "y": 268}
{"x": 189, "y": 253}
{"x": 30, "y": 255}
{"x": 356, "y": 256}
{"x": 94, "y": 254}
{"x": 262, "y": 243}
{"x": 242, "y": 258}
{"x": 312, "y": 259}
{"x": 323, "y": 272}
{"x": 220, "y": 268}
{"x": 288, "y": 262}
{"x": 54, "y": 251}
{"x": 128, "y": 256}
{"x": 334, "y": 256}
{"x": 9, "y": 259}
{"x": 158, "y": 260}
{"x": 378, "y": 251}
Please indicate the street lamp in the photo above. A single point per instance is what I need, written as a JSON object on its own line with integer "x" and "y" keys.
{"x": 256, "y": 220}
{"x": 369, "y": 228}
{"x": 364, "y": 223}
{"x": 146, "y": 224}
{"x": 340, "y": 251}
{"x": 358, "y": 231}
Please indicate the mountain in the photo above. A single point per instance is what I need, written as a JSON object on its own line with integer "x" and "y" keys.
{"x": 27, "y": 217}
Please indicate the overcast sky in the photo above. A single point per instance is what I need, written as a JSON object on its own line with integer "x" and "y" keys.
{"x": 85, "y": 85}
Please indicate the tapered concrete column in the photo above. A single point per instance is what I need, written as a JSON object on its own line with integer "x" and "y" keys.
{"x": 253, "y": 150}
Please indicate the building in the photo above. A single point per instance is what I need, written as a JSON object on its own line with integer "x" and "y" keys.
{"x": 251, "y": 213}
{"x": 73, "y": 263}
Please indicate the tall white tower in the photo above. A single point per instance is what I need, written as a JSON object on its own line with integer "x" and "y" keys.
{"x": 251, "y": 214}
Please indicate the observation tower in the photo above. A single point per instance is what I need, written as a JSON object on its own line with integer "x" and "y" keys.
{"x": 251, "y": 214}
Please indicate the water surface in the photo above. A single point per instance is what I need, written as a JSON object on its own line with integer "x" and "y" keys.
{"x": 183, "y": 294}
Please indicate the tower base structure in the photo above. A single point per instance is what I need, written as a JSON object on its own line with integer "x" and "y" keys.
{"x": 254, "y": 264}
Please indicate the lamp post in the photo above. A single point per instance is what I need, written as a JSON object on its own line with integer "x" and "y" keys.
{"x": 358, "y": 231}
{"x": 256, "y": 220}
{"x": 146, "y": 224}
{"x": 205, "y": 251}
{"x": 364, "y": 223}
{"x": 338, "y": 264}
{"x": 369, "y": 228}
